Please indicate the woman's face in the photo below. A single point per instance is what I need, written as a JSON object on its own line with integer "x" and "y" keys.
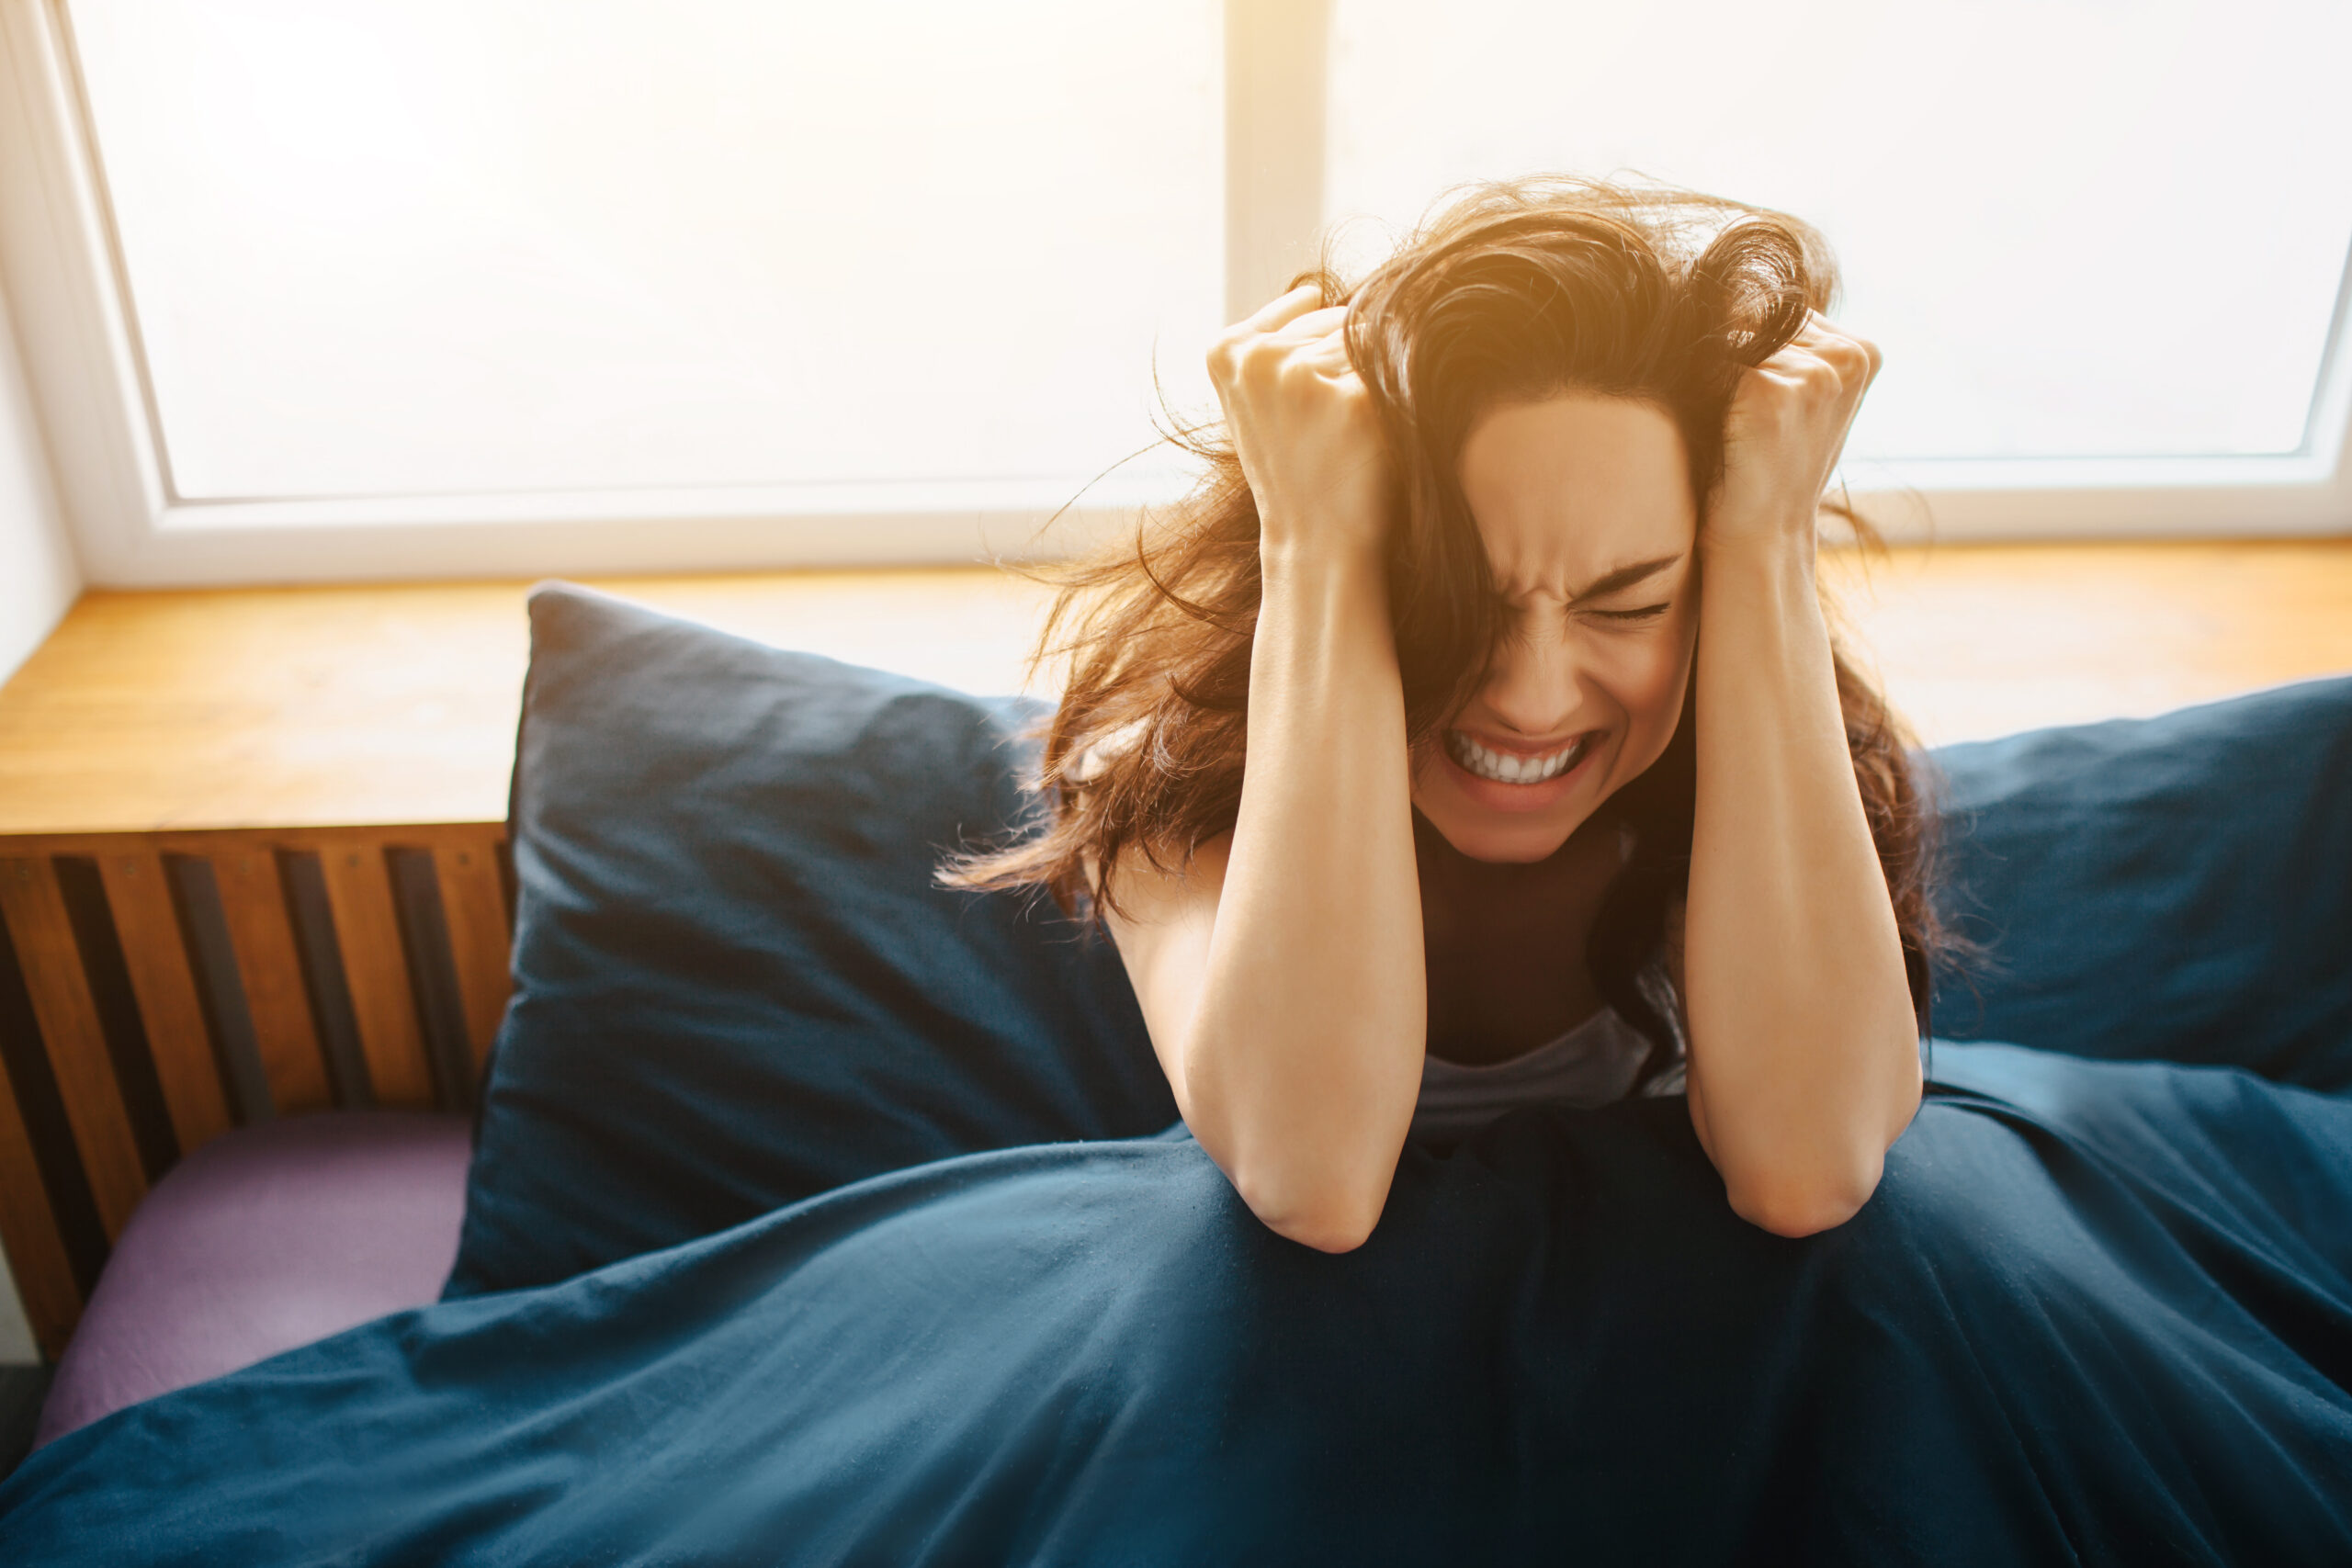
{"x": 1585, "y": 507}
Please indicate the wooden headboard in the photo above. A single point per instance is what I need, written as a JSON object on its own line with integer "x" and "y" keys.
{"x": 218, "y": 906}
{"x": 159, "y": 987}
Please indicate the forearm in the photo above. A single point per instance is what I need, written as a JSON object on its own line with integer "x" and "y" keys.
{"x": 1303, "y": 1059}
{"x": 1803, "y": 1047}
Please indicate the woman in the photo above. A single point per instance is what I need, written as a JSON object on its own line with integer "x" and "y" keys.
{"x": 1445, "y": 585}
{"x": 1443, "y": 591}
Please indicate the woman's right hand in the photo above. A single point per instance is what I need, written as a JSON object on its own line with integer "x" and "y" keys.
{"x": 1305, "y": 428}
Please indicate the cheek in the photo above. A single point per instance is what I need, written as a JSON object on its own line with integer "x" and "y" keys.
{"x": 1650, "y": 682}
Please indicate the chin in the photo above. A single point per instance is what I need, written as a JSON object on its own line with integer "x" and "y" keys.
{"x": 1519, "y": 845}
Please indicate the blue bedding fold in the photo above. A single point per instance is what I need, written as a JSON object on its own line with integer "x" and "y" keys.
{"x": 2097, "y": 1311}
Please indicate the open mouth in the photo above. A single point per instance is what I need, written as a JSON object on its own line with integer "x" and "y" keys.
{"x": 1504, "y": 767}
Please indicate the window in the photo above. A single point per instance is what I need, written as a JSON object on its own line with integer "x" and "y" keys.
{"x": 451, "y": 246}
{"x": 418, "y": 285}
{"x": 461, "y": 285}
{"x": 2080, "y": 230}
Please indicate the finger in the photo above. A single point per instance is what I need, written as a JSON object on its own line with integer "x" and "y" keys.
{"x": 1329, "y": 357}
{"x": 1280, "y": 313}
{"x": 1820, "y": 332}
{"x": 1316, "y": 327}
{"x": 1824, "y": 343}
{"x": 1791, "y": 364}
{"x": 1848, "y": 363}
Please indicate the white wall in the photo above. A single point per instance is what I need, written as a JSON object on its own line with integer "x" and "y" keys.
{"x": 39, "y": 580}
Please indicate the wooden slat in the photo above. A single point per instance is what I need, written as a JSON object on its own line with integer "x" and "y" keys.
{"x": 140, "y": 899}
{"x": 35, "y": 1252}
{"x": 271, "y": 970}
{"x": 369, "y": 933}
{"x": 475, "y": 906}
{"x": 35, "y": 911}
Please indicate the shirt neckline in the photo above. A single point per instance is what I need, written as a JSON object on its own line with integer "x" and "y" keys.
{"x": 1557, "y": 1045}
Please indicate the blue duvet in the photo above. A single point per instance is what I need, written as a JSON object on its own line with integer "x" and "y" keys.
{"x": 2097, "y": 1311}
{"x": 813, "y": 1217}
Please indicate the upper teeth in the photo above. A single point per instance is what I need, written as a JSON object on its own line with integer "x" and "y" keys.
{"x": 1504, "y": 768}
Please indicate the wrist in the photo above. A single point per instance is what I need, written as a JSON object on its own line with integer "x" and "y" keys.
{"x": 1317, "y": 557}
{"x": 1756, "y": 514}
{"x": 1750, "y": 567}
{"x": 1769, "y": 545}
{"x": 1322, "y": 596}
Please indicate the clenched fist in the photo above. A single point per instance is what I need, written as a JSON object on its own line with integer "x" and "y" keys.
{"x": 1305, "y": 428}
{"x": 1785, "y": 431}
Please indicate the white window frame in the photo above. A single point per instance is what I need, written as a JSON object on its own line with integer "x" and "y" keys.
{"x": 63, "y": 270}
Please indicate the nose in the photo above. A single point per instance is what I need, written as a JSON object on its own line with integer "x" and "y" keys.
{"x": 1534, "y": 687}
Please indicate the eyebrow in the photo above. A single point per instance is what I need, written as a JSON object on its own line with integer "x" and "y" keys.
{"x": 1622, "y": 577}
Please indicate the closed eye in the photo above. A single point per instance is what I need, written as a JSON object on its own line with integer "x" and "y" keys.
{"x": 1646, "y": 613}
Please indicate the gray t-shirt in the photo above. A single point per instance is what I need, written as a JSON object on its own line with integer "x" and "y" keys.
{"x": 1591, "y": 1065}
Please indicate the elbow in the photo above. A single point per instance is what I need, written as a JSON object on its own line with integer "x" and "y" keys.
{"x": 1327, "y": 1217}
{"x": 1334, "y": 1234}
{"x": 1805, "y": 1204}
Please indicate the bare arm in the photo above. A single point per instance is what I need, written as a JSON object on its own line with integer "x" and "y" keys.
{"x": 1804, "y": 1063}
{"x": 1280, "y": 974}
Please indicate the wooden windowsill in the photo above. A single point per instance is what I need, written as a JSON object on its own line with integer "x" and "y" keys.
{"x": 334, "y": 706}
{"x": 321, "y": 707}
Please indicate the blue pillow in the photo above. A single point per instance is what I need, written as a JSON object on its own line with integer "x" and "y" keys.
{"x": 737, "y": 983}
{"x": 2177, "y": 886}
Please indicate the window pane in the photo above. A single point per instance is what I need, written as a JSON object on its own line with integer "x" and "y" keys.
{"x": 463, "y": 245}
{"x": 2077, "y": 228}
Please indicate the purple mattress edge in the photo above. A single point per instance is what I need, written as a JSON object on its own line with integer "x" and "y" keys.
{"x": 266, "y": 1238}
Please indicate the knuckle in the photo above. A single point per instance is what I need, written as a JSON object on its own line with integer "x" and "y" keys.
{"x": 1230, "y": 352}
{"x": 1260, "y": 367}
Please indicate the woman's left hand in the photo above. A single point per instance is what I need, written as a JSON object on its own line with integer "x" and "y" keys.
{"x": 1785, "y": 432}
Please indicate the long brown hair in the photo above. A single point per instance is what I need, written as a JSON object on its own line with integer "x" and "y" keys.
{"x": 1509, "y": 291}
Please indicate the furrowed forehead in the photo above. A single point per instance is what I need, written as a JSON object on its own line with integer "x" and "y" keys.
{"x": 1579, "y": 495}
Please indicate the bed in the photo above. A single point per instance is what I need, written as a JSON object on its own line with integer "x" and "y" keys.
{"x": 816, "y": 1215}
